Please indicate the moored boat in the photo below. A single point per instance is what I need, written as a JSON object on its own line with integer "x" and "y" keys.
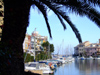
{"x": 90, "y": 57}
{"x": 82, "y": 58}
{"x": 37, "y": 66}
{"x": 62, "y": 59}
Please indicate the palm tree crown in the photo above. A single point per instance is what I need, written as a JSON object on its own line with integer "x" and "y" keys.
{"x": 80, "y": 7}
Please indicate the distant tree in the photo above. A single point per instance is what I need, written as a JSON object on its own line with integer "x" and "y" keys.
{"x": 51, "y": 48}
{"x": 41, "y": 56}
{"x": 46, "y": 49}
{"x": 29, "y": 58}
{"x": 45, "y": 46}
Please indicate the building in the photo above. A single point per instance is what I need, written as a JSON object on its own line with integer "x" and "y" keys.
{"x": 29, "y": 41}
{"x": 80, "y": 49}
{"x": 37, "y": 39}
{"x": 26, "y": 43}
{"x": 87, "y": 49}
{"x": 1, "y": 17}
{"x": 91, "y": 49}
{"x": 34, "y": 41}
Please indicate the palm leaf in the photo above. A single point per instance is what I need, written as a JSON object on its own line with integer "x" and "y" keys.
{"x": 57, "y": 10}
{"x": 43, "y": 9}
{"x": 83, "y": 9}
{"x": 94, "y": 2}
{"x": 61, "y": 20}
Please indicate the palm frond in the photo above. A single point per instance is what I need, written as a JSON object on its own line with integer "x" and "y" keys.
{"x": 80, "y": 7}
{"x": 63, "y": 14}
{"x": 75, "y": 30}
{"x": 94, "y": 2}
{"x": 61, "y": 20}
{"x": 83, "y": 9}
{"x": 43, "y": 9}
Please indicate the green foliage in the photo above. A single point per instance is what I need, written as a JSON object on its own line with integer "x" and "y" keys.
{"x": 51, "y": 48}
{"x": 29, "y": 58}
{"x": 41, "y": 56}
{"x": 44, "y": 55}
{"x": 46, "y": 45}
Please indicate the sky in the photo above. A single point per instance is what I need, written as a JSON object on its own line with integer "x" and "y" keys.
{"x": 64, "y": 40}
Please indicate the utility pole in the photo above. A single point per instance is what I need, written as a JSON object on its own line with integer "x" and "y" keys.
{"x": 49, "y": 51}
{"x": 34, "y": 44}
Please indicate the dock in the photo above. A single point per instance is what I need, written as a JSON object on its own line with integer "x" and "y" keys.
{"x": 36, "y": 71}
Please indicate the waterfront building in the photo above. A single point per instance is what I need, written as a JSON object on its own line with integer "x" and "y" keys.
{"x": 25, "y": 43}
{"x": 32, "y": 43}
{"x": 29, "y": 41}
{"x": 80, "y": 48}
{"x": 87, "y": 49}
{"x": 98, "y": 49}
{"x": 92, "y": 49}
{"x": 37, "y": 39}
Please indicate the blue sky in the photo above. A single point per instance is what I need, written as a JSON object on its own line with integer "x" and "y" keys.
{"x": 66, "y": 39}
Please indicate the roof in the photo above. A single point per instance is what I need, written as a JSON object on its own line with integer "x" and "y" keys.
{"x": 82, "y": 43}
{"x": 95, "y": 44}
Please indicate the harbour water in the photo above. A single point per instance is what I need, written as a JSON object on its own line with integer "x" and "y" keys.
{"x": 79, "y": 67}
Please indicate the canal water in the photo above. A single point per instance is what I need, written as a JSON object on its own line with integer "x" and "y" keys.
{"x": 79, "y": 67}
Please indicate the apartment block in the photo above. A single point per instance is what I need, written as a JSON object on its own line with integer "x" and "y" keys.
{"x": 37, "y": 39}
{"x": 87, "y": 49}
{"x": 34, "y": 40}
{"x": 80, "y": 49}
{"x": 25, "y": 44}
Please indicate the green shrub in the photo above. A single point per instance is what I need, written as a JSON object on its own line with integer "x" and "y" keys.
{"x": 29, "y": 58}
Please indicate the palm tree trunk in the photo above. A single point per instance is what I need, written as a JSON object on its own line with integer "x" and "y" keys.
{"x": 16, "y": 14}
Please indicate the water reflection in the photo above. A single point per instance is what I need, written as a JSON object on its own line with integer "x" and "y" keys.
{"x": 88, "y": 67}
{"x": 79, "y": 67}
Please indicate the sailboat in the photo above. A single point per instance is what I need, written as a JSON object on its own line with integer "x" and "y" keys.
{"x": 69, "y": 53}
{"x": 61, "y": 58}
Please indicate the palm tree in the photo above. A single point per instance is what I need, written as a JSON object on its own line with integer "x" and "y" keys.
{"x": 16, "y": 21}
{"x": 15, "y": 24}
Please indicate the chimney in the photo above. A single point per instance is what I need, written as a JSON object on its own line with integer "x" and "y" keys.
{"x": 99, "y": 41}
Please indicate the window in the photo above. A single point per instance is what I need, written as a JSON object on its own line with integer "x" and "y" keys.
{"x": 32, "y": 65}
{"x": 61, "y": 58}
{"x": 32, "y": 47}
{"x": 90, "y": 45}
